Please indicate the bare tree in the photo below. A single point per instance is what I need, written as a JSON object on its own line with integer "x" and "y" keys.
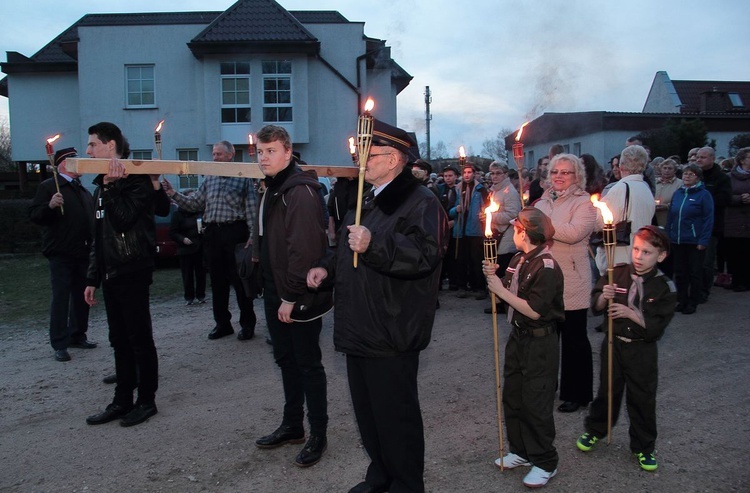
{"x": 6, "y": 162}
{"x": 495, "y": 148}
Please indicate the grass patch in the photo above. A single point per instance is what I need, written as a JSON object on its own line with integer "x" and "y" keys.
{"x": 25, "y": 287}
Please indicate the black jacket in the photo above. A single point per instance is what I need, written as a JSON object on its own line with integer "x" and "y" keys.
{"x": 293, "y": 240}
{"x": 69, "y": 233}
{"x": 124, "y": 233}
{"x": 386, "y": 306}
{"x": 656, "y": 305}
{"x": 718, "y": 183}
{"x": 184, "y": 224}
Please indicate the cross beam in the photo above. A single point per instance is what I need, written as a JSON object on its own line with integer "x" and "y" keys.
{"x": 163, "y": 167}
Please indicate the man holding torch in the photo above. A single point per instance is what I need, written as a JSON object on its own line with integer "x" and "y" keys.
{"x": 532, "y": 288}
{"x": 66, "y": 241}
{"x": 402, "y": 237}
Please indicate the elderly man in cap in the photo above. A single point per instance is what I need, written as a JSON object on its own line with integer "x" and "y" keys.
{"x": 533, "y": 288}
{"x": 67, "y": 218}
{"x": 401, "y": 240}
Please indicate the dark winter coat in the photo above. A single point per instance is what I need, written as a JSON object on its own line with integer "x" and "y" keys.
{"x": 68, "y": 231}
{"x": 386, "y": 306}
{"x": 293, "y": 240}
{"x": 737, "y": 214}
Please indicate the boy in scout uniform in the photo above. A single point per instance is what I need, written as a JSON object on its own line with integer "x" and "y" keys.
{"x": 533, "y": 290}
{"x": 644, "y": 302}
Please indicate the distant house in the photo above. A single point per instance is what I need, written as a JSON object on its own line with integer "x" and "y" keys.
{"x": 210, "y": 75}
{"x": 724, "y": 107}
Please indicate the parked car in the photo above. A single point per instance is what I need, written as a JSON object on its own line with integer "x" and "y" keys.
{"x": 166, "y": 248}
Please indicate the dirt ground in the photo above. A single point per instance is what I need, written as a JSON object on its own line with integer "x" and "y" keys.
{"x": 216, "y": 397}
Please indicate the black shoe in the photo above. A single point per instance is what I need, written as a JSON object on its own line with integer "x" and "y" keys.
{"x": 365, "y": 487}
{"x": 740, "y": 288}
{"x": 110, "y": 379}
{"x": 201, "y": 300}
{"x": 245, "y": 334}
{"x": 220, "y": 332}
{"x": 679, "y": 307}
{"x": 110, "y": 413}
{"x": 312, "y": 452}
{"x": 688, "y": 310}
{"x": 139, "y": 414}
{"x": 482, "y": 295}
{"x": 84, "y": 344}
{"x": 283, "y": 435}
{"x": 62, "y": 355}
{"x": 569, "y": 407}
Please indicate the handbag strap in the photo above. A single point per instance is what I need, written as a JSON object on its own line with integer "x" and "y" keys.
{"x": 626, "y": 211}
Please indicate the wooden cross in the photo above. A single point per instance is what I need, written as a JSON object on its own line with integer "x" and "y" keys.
{"x": 214, "y": 168}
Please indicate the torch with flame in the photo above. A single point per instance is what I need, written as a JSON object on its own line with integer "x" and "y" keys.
{"x": 50, "y": 148}
{"x": 365, "y": 124}
{"x": 461, "y": 157}
{"x": 518, "y": 157}
{"x": 490, "y": 255}
{"x": 610, "y": 243}
{"x": 250, "y": 146}
{"x": 353, "y": 150}
{"x": 157, "y": 139}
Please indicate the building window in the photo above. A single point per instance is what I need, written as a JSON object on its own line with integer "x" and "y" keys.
{"x": 140, "y": 155}
{"x": 187, "y": 181}
{"x": 140, "y": 85}
{"x": 277, "y": 91}
{"x": 530, "y": 160}
{"x": 239, "y": 155}
{"x": 235, "y": 92}
{"x": 577, "y": 148}
{"x": 736, "y": 100}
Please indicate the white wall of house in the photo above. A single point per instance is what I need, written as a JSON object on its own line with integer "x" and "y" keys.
{"x": 42, "y": 105}
{"x": 103, "y": 54}
{"x": 662, "y": 97}
{"x": 340, "y": 45}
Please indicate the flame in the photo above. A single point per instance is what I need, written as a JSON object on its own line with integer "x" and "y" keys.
{"x": 606, "y": 213}
{"x": 369, "y": 105}
{"x": 250, "y": 139}
{"x": 52, "y": 139}
{"x": 520, "y": 131}
{"x": 158, "y": 127}
{"x": 352, "y": 147}
{"x": 493, "y": 207}
{"x": 462, "y": 151}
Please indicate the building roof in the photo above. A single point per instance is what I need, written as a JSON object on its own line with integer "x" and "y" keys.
{"x": 564, "y": 126}
{"x": 319, "y": 16}
{"x": 254, "y": 26}
{"x": 701, "y": 96}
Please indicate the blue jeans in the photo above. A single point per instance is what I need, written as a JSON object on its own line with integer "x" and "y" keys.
{"x": 69, "y": 313}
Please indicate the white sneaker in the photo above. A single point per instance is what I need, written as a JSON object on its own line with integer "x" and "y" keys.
{"x": 512, "y": 460}
{"x": 536, "y": 478}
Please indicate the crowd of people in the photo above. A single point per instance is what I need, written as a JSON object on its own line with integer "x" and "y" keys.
{"x": 420, "y": 232}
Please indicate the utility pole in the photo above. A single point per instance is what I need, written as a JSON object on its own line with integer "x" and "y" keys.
{"x": 428, "y": 116}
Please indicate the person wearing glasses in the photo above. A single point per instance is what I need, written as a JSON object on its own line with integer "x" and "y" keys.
{"x": 385, "y": 308}
{"x": 568, "y": 205}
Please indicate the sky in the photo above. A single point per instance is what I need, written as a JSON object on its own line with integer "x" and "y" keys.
{"x": 491, "y": 64}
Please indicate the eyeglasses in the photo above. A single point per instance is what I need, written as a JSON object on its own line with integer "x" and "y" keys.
{"x": 563, "y": 172}
{"x": 376, "y": 155}
{"x": 688, "y": 174}
{"x": 497, "y": 173}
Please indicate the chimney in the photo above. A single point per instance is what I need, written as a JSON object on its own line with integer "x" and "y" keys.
{"x": 713, "y": 101}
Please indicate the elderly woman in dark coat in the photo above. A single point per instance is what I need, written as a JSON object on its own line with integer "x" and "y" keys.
{"x": 737, "y": 223}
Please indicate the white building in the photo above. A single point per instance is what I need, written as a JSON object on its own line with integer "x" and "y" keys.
{"x": 210, "y": 75}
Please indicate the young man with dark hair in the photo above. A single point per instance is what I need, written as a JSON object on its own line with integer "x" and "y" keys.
{"x": 122, "y": 262}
